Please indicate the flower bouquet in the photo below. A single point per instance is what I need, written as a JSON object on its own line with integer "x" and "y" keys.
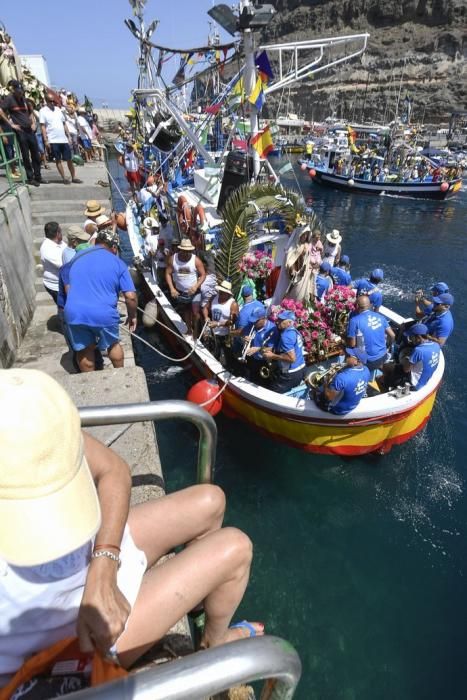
{"x": 338, "y": 305}
{"x": 313, "y": 327}
{"x": 257, "y": 265}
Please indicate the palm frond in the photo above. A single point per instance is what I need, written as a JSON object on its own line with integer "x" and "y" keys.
{"x": 271, "y": 204}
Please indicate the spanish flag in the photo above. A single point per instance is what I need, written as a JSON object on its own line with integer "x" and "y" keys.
{"x": 262, "y": 142}
{"x": 257, "y": 96}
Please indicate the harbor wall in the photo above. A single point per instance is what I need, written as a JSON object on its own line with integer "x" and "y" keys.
{"x": 17, "y": 273}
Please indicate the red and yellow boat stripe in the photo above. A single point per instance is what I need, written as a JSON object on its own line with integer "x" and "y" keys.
{"x": 327, "y": 437}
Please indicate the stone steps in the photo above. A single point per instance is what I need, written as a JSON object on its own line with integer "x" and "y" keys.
{"x": 44, "y": 205}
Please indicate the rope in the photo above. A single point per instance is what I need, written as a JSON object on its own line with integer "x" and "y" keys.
{"x": 116, "y": 186}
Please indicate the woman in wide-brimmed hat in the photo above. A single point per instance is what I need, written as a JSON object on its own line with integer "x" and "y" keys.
{"x": 184, "y": 276}
{"x": 332, "y": 248}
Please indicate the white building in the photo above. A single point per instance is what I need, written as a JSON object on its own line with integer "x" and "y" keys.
{"x": 38, "y": 67}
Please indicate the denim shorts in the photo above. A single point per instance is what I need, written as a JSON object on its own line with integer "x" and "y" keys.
{"x": 60, "y": 151}
{"x": 83, "y": 336}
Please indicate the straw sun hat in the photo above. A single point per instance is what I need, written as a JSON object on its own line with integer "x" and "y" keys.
{"x": 186, "y": 244}
{"x": 225, "y": 287}
{"x": 334, "y": 236}
{"x": 93, "y": 208}
{"x": 48, "y": 501}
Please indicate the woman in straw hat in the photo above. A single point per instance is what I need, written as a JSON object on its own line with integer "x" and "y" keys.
{"x": 74, "y": 555}
{"x": 184, "y": 276}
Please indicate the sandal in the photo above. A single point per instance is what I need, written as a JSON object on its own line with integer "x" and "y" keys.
{"x": 77, "y": 181}
{"x": 246, "y": 625}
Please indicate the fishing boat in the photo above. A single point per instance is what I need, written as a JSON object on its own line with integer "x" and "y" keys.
{"x": 341, "y": 167}
{"x": 239, "y": 217}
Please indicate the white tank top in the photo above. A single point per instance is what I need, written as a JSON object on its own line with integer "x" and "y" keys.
{"x": 330, "y": 252}
{"x": 39, "y": 605}
{"x": 221, "y": 313}
{"x": 184, "y": 273}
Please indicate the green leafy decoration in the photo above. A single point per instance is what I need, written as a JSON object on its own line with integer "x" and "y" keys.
{"x": 243, "y": 208}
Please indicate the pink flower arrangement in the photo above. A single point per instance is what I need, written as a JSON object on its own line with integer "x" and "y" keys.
{"x": 338, "y": 305}
{"x": 316, "y": 333}
{"x": 256, "y": 265}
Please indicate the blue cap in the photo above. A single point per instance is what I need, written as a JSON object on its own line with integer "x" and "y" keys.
{"x": 257, "y": 313}
{"x": 325, "y": 266}
{"x": 286, "y": 316}
{"x": 417, "y": 329}
{"x": 359, "y": 353}
{"x": 443, "y": 299}
{"x": 377, "y": 274}
{"x": 440, "y": 288}
{"x": 345, "y": 259}
{"x": 247, "y": 291}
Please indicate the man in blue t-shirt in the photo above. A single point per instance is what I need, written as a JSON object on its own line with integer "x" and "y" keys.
{"x": 423, "y": 361}
{"x": 242, "y": 324}
{"x": 95, "y": 279}
{"x": 370, "y": 288}
{"x": 370, "y": 331}
{"x": 340, "y": 274}
{"x": 348, "y": 386}
{"x": 424, "y": 306}
{"x": 440, "y": 322}
{"x": 263, "y": 335}
{"x": 324, "y": 282}
{"x": 288, "y": 353}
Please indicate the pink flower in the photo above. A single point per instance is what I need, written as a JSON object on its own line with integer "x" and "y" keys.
{"x": 315, "y": 335}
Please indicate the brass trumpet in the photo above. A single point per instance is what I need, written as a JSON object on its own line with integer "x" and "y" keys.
{"x": 319, "y": 377}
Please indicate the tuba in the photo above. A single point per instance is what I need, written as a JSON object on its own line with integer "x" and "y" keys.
{"x": 319, "y": 377}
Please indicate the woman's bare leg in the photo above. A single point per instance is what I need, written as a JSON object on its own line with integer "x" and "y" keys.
{"x": 215, "y": 568}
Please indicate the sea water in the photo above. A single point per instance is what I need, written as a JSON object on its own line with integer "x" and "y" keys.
{"x": 359, "y": 563}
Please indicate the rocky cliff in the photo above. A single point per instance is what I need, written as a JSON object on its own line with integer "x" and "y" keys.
{"x": 417, "y": 49}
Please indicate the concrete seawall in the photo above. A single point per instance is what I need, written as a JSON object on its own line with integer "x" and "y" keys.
{"x": 17, "y": 273}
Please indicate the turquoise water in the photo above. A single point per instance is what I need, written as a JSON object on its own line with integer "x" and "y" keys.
{"x": 359, "y": 563}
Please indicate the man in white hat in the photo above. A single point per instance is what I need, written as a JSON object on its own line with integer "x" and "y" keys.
{"x": 92, "y": 211}
{"x": 184, "y": 276}
{"x": 74, "y": 555}
{"x": 224, "y": 312}
{"x": 332, "y": 248}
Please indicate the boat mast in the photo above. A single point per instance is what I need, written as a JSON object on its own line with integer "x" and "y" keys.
{"x": 249, "y": 82}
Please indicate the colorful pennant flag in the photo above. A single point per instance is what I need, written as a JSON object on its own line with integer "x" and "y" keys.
{"x": 264, "y": 67}
{"x": 257, "y": 96}
{"x": 262, "y": 142}
{"x": 237, "y": 94}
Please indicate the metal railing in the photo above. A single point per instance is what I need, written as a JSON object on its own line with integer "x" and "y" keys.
{"x": 157, "y": 411}
{"x": 6, "y": 161}
{"x": 200, "y": 675}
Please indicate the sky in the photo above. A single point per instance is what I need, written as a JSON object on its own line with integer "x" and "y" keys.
{"x": 88, "y": 48}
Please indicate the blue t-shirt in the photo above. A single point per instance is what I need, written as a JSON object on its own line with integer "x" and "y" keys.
{"x": 264, "y": 338}
{"x": 341, "y": 277}
{"x": 290, "y": 339}
{"x": 242, "y": 320}
{"x": 424, "y": 360}
{"x": 440, "y": 326}
{"x": 369, "y": 330}
{"x": 364, "y": 286}
{"x": 63, "y": 279}
{"x": 68, "y": 254}
{"x": 351, "y": 383}
{"x": 96, "y": 278}
{"x": 323, "y": 285}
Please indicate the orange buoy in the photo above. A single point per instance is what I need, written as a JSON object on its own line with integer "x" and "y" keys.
{"x": 444, "y": 186}
{"x": 206, "y": 390}
{"x": 121, "y": 220}
{"x": 312, "y": 172}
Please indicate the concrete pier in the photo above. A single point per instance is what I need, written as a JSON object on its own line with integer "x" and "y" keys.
{"x": 44, "y": 348}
